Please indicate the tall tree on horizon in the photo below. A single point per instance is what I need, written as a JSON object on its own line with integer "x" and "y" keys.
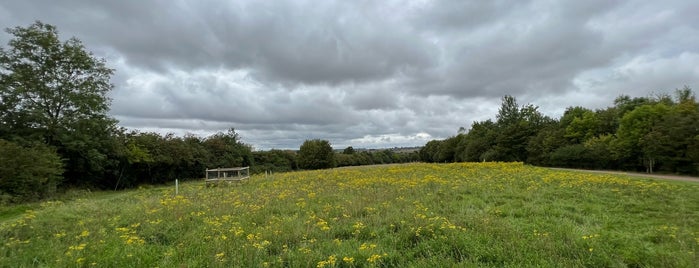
{"x": 316, "y": 154}
{"x": 55, "y": 92}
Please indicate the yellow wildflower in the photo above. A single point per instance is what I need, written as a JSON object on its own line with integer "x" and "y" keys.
{"x": 349, "y": 260}
{"x": 84, "y": 233}
{"x": 374, "y": 258}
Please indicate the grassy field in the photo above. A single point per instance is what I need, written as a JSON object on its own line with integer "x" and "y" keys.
{"x": 421, "y": 215}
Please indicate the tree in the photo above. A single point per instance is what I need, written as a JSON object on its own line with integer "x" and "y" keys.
{"x": 447, "y": 149}
{"x": 515, "y": 127}
{"x": 625, "y": 104}
{"x": 509, "y": 113}
{"x": 316, "y": 154}
{"x": 430, "y": 152}
{"x": 274, "y": 160}
{"x": 636, "y": 136}
{"x": 49, "y": 87}
{"x": 56, "y": 93}
{"x": 543, "y": 144}
{"x": 575, "y": 156}
{"x": 227, "y": 150}
{"x": 583, "y": 128}
{"x": 670, "y": 139}
{"x": 348, "y": 150}
{"x": 599, "y": 151}
{"x": 608, "y": 120}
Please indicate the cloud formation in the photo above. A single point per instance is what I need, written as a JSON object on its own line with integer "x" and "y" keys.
{"x": 369, "y": 73}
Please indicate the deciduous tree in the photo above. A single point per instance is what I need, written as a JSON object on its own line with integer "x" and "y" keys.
{"x": 316, "y": 154}
{"x": 55, "y": 92}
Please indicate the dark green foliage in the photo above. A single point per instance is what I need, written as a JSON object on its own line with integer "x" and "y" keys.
{"x": 152, "y": 158}
{"x": 50, "y": 86}
{"x": 478, "y": 141}
{"x": 504, "y": 140}
{"x": 544, "y": 143}
{"x": 55, "y": 93}
{"x": 430, "y": 152}
{"x": 599, "y": 150}
{"x": 274, "y": 161}
{"x": 227, "y": 151}
{"x": 376, "y": 157}
{"x": 447, "y": 150}
{"x": 348, "y": 150}
{"x": 641, "y": 134}
{"x": 625, "y": 104}
{"x": 571, "y": 156}
{"x": 28, "y": 173}
{"x": 316, "y": 154}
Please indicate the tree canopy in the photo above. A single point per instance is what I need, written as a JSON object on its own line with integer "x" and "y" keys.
{"x": 316, "y": 154}
{"x": 55, "y": 92}
{"x": 658, "y": 133}
{"x": 50, "y": 87}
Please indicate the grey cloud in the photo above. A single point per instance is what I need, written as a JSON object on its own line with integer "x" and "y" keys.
{"x": 376, "y": 73}
{"x": 221, "y": 98}
{"x": 295, "y": 41}
{"x": 539, "y": 50}
{"x": 373, "y": 99}
{"x": 455, "y": 15}
{"x": 331, "y": 44}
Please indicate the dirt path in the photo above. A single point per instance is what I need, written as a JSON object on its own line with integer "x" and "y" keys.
{"x": 635, "y": 174}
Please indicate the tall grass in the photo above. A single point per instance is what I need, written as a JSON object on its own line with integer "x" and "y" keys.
{"x": 482, "y": 214}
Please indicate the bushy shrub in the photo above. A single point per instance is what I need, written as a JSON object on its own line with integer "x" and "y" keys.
{"x": 28, "y": 173}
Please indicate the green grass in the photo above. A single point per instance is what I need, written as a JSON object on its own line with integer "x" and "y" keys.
{"x": 11, "y": 212}
{"x": 419, "y": 215}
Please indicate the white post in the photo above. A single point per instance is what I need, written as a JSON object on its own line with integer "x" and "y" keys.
{"x": 177, "y": 187}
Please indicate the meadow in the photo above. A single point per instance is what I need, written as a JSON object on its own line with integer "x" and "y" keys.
{"x": 411, "y": 215}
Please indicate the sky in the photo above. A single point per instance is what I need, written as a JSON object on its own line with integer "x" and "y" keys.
{"x": 368, "y": 74}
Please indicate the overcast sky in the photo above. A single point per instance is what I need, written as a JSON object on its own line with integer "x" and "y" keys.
{"x": 368, "y": 74}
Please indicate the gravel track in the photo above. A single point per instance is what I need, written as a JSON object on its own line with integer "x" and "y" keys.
{"x": 636, "y": 174}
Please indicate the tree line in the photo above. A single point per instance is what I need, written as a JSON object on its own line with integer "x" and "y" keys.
{"x": 319, "y": 154}
{"x": 55, "y": 131}
{"x": 652, "y": 134}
